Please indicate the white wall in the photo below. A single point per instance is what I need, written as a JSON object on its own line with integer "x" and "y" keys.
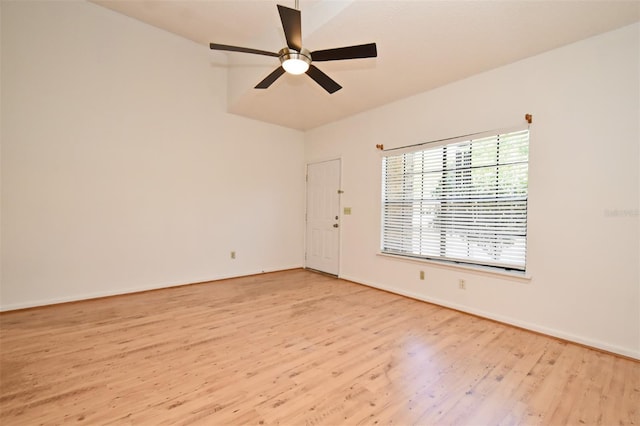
{"x": 121, "y": 169}
{"x": 583, "y": 256}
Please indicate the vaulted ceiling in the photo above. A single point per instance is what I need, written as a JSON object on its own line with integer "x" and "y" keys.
{"x": 422, "y": 44}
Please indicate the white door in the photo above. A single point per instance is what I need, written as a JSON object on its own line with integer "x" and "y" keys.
{"x": 323, "y": 216}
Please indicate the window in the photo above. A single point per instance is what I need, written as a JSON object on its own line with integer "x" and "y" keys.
{"x": 462, "y": 200}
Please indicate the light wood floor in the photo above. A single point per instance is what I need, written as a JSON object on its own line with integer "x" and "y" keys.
{"x": 296, "y": 348}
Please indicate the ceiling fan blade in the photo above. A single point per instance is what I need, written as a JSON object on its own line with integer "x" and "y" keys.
{"x": 351, "y": 52}
{"x": 215, "y": 46}
{"x": 322, "y": 79}
{"x": 291, "y": 24}
{"x": 268, "y": 80}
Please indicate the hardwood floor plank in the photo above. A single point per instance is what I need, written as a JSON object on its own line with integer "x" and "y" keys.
{"x": 296, "y": 347}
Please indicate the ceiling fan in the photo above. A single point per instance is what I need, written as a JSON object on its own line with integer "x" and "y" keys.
{"x": 295, "y": 59}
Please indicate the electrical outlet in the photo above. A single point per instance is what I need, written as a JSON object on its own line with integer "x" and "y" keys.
{"x": 233, "y": 254}
{"x": 462, "y": 285}
{"x": 422, "y": 275}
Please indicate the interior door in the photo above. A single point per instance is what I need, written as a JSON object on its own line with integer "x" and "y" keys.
{"x": 323, "y": 217}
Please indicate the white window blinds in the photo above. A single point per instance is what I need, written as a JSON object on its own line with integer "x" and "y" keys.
{"x": 462, "y": 201}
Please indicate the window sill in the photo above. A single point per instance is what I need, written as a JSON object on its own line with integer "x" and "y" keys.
{"x": 483, "y": 270}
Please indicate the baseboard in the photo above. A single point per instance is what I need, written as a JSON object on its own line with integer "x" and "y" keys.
{"x": 138, "y": 289}
{"x": 559, "y": 334}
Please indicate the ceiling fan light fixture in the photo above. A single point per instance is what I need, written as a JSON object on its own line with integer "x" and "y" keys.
{"x": 295, "y": 66}
{"x": 295, "y": 62}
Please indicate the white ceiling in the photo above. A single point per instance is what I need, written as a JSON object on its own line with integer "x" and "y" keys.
{"x": 422, "y": 44}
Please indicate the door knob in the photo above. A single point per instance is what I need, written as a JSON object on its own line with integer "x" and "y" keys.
{"x": 335, "y": 225}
